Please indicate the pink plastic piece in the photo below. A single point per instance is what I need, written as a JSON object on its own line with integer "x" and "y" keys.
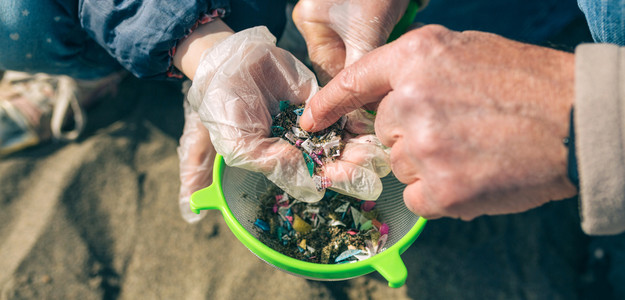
{"x": 367, "y": 205}
{"x": 384, "y": 229}
{"x": 316, "y": 159}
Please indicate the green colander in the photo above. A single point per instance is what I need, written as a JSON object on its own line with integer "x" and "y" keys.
{"x": 235, "y": 193}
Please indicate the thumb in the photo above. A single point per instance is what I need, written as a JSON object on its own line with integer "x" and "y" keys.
{"x": 196, "y": 155}
{"x": 325, "y": 49}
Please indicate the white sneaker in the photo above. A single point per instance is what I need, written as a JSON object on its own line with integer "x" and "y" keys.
{"x": 35, "y": 108}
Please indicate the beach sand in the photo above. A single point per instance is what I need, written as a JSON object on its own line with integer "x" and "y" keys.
{"x": 99, "y": 219}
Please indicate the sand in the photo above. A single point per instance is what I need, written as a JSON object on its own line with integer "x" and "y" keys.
{"x": 98, "y": 219}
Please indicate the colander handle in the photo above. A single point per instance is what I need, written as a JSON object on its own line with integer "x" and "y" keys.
{"x": 392, "y": 268}
{"x": 207, "y": 198}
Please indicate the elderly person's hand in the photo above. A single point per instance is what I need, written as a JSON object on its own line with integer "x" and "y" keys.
{"x": 476, "y": 122}
{"x": 339, "y": 32}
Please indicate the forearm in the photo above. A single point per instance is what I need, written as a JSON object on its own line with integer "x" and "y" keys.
{"x": 189, "y": 50}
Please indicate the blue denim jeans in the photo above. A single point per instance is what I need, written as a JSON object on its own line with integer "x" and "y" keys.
{"x": 606, "y": 20}
{"x": 46, "y": 36}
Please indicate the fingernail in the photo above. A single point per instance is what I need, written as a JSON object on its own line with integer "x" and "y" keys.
{"x": 306, "y": 121}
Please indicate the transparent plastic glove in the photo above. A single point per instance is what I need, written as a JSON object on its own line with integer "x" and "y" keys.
{"x": 197, "y": 155}
{"x": 339, "y": 32}
{"x": 364, "y": 152}
{"x": 237, "y": 89}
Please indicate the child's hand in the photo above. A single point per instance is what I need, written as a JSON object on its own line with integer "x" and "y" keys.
{"x": 197, "y": 155}
{"x": 236, "y": 90}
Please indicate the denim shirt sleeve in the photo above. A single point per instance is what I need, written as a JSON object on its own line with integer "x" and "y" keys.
{"x": 140, "y": 33}
{"x": 606, "y": 20}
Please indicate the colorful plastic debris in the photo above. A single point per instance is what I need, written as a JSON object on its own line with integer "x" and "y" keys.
{"x": 376, "y": 223}
{"x": 384, "y": 229}
{"x": 261, "y": 224}
{"x": 302, "y": 244}
{"x": 320, "y": 232}
{"x": 366, "y": 225}
{"x": 346, "y": 255}
{"x": 367, "y": 205}
{"x": 318, "y": 148}
{"x": 299, "y": 111}
{"x": 339, "y": 228}
{"x": 342, "y": 208}
{"x": 300, "y": 225}
{"x": 321, "y": 182}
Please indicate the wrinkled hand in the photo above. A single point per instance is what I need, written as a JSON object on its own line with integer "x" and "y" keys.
{"x": 237, "y": 89}
{"x": 475, "y": 121}
{"x": 339, "y": 32}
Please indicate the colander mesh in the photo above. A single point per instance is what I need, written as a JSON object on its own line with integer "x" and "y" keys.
{"x": 242, "y": 188}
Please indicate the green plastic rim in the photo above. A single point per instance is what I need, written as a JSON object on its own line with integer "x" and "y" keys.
{"x": 388, "y": 263}
{"x": 405, "y": 21}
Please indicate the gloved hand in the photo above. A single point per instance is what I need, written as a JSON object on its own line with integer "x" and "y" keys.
{"x": 197, "y": 155}
{"x": 237, "y": 89}
{"x": 339, "y": 32}
{"x": 364, "y": 159}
